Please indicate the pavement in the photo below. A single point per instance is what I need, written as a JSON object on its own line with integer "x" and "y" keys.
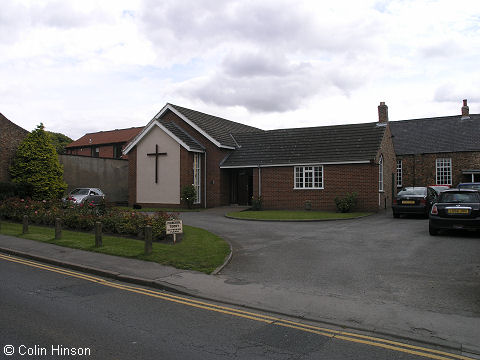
{"x": 454, "y": 330}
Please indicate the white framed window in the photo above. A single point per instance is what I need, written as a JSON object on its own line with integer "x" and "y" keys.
{"x": 197, "y": 175}
{"x": 309, "y": 177}
{"x": 399, "y": 173}
{"x": 380, "y": 173}
{"x": 444, "y": 171}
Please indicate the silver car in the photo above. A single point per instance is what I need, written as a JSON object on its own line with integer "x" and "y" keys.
{"x": 85, "y": 196}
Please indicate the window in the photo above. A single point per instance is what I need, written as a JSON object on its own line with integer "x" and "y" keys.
{"x": 399, "y": 173}
{"x": 117, "y": 151}
{"x": 308, "y": 177}
{"x": 380, "y": 173}
{"x": 95, "y": 152}
{"x": 444, "y": 172}
{"x": 197, "y": 176}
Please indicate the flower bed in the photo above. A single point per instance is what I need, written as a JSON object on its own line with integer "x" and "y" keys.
{"x": 83, "y": 217}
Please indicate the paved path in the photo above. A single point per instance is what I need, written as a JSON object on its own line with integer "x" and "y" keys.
{"x": 353, "y": 273}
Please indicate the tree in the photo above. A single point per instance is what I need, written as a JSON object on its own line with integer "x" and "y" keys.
{"x": 59, "y": 141}
{"x": 36, "y": 163}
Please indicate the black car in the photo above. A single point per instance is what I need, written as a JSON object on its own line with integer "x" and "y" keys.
{"x": 414, "y": 200}
{"x": 455, "y": 209}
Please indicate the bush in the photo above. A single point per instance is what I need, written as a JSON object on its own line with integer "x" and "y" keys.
{"x": 83, "y": 217}
{"x": 257, "y": 203}
{"x": 189, "y": 194}
{"x": 346, "y": 203}
{"x": 8, "y": 190}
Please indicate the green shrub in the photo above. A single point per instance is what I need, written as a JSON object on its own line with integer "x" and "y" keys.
{"x": 83, "y": 217}
{"x": 257, "y": 203}
{"x": 10, "y": 189}
{"x": 346, "y": 203}
{"x": 189, "y": 194}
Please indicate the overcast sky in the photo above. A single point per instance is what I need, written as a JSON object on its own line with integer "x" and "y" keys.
{"x": 88, "y": 65}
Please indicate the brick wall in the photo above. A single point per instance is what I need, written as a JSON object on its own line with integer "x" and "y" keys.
{"x": 278, "y": 191}
{"x": 389, "y": 169}
{"x": 217, "y": 188}
{"x": 11, "y": 136}
{"x": 105, "y": 151}
{"x": 420, "y": 170}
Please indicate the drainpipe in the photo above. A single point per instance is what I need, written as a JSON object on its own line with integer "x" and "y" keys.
{"x": 205, "y": 181}
{"x": 259, "y": 181}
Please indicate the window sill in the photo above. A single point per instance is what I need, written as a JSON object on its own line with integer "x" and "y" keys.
{"x": 308, "y": 188}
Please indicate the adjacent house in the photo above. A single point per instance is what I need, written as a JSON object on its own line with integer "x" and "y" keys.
{"x": 103, "y": 144}
{"x": 441, "y": 150}
{"x": 11, "y": 135}
{"x": 228, "y": 162}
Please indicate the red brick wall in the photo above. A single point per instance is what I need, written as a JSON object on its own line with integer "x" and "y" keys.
{"x": 420, "y": 170}
{"x": 217, "y": 188}
{"x": 389, "y": 169}
{"x": 11, "y": 136}
{"x": 106, "y": 151}
{"x": 278, "y": 187}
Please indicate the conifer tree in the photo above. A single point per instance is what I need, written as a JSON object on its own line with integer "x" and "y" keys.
{"x": 36, "y": 163}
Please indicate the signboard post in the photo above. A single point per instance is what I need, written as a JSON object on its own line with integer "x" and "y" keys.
{"x": 174, "y": 227}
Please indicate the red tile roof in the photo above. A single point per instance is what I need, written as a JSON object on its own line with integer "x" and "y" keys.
{"x": 106, "y": 137}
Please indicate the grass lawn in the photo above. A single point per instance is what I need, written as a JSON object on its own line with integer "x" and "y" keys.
{"x": 294, "y": 215}
{"x": 147, "y": 209}
{"x": 199, "y": 250}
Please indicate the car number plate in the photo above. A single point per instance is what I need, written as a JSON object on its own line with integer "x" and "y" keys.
{"x": 408, "y": 202}
{"x": 457, "y": 211}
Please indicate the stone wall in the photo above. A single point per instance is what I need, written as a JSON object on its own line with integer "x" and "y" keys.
{"x": 11, "y": 136}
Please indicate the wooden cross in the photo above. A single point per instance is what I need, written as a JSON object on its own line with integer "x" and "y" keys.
{"x": 156, "y": 154}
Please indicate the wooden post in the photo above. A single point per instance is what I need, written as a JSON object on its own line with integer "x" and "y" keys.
{"x": 58, "y": 228}
{"x": 148, "y": 240}
{"x": 25, "y": 224}
{"x": 98, "y": 234}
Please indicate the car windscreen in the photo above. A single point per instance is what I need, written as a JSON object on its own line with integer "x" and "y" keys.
{"x": 469, "y": 186}
{"x": 80, "y": 192}
{"x": 413, "y": 191}
{"x": 459, "y": 197}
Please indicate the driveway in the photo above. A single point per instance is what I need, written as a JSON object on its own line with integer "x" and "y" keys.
{"x": 375, "y": 260}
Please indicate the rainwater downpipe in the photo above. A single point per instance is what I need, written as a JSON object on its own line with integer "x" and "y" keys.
{"x": 259, "y": 181}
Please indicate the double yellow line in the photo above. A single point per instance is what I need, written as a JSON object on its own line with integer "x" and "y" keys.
{"x": 341, "y": 335}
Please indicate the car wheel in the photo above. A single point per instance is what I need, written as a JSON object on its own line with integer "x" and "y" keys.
{"x": 432, "y": 231}
{"x": 396, "y": 215}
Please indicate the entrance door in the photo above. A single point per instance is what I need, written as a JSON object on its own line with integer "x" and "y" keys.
{"x": 241, "y": 186}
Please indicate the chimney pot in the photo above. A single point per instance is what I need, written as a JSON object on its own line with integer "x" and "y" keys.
{"x": 465, "y": 110}
{"x": 382, "y": 112}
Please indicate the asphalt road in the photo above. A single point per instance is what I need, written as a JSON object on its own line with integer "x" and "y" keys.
{"x": 375, "y": 260}
{"x": 45, "y": 312}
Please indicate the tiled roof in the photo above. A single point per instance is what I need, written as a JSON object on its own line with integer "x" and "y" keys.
{"x": 106, "y": 137}
{"x": 182, "y": 135}
{"x": 436, "y": 135}
{"x": 217, "y": 127}
{"x": 340, "y": 143}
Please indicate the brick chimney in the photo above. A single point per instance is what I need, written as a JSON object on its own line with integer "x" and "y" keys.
{"x": 465, "y": 110}
{"x": 382, "y": 113}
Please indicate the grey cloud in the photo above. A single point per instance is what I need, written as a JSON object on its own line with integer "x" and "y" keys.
{"x": 445, "y": 49}
{"x": 281, "y": 89}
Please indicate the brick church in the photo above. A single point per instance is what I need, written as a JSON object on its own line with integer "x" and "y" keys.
{"x": 229, "y": 163}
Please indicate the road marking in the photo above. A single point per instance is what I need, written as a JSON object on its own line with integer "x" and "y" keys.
{"x": 337, "y": 334}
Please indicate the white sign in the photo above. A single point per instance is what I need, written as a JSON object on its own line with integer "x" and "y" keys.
{"x": 173, "y": 227}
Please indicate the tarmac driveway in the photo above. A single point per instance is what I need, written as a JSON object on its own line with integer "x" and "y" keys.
{"x": 375, "y": 260}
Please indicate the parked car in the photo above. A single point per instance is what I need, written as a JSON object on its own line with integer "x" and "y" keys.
{"x": 455, "y": 209}
{"x": 78, "y": 196}
{"x": 471, "y": 185}
{"x": 439, "y": 188}
{"x": 414, "y": 200}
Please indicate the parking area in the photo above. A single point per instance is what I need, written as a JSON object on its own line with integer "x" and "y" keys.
{"x": 377, "y": 259}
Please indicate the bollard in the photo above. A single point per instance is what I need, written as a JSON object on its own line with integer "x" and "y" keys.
{"x": 98, "y": 234}
{"x": 25, "y": 224}
{"x": 58, "y": 228}
{"x": 148, "y": 240}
